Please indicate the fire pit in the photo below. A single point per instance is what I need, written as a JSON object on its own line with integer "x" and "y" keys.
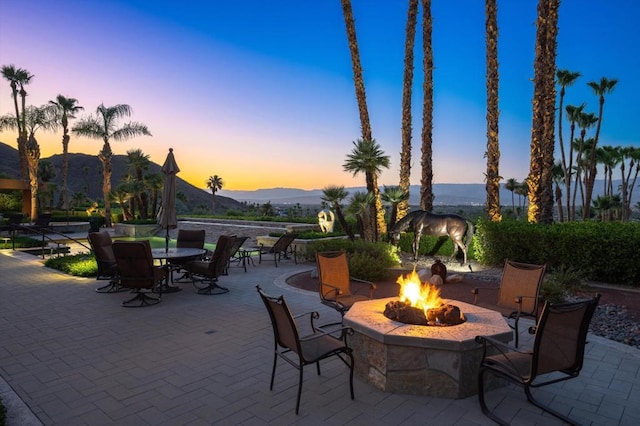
{"x": 418, "y": 359}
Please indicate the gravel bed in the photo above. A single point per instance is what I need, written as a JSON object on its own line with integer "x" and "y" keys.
{"x": 612, "y": 322}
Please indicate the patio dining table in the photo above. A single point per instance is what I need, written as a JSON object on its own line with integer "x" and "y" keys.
{"x": 172, "y": 254}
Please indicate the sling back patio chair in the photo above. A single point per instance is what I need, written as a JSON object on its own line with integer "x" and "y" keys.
{"x": 102, "y": 247}
{"x": 187, "y": 238}
{"x": 237, "y": 255}
{"x": 336, "y": 283}
{"x": 558, "y": 353}
{"x": 518, "y": 294}
{"x": 283, "y": 248}
{"x": 300, "y": 351}
{"x": 137, "y": 272}
{"x": 205, "y": 273}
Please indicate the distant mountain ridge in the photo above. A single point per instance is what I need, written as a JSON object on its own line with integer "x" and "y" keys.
{"x": 85, "y": 175}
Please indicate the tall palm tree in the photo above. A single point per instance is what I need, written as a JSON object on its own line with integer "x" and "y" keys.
{"x": 138, "y": 162}
{"x": 573, "y": 115}
{"x": 510, "y": 185}
{"x": 493, "y": 177}
{"x": 104, "y": 125}
{"x": 566, "y": 79}
{"x": 426, "y": 160}
{"x": 394, "y": 195}
{"x": 18, "y": 78}
{"x": 214, "y": 183}
{"x": 155, "y": 181}
{"x": 540, "y": 178}
{"x": 67, "y": 108}
{"x": 358, "y": 79}
{"x": 585, "y": 122}
{"x": 334, "y": 196}
{"x": 407, "y": 85}
{"x": 558, "y": 179}
{"x": 632, "y": 155}
{"x": 601, "y": 88}
{"x": 367, "y": 157}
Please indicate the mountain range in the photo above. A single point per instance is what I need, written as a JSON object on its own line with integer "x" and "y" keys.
{"x": 85, "y": 175}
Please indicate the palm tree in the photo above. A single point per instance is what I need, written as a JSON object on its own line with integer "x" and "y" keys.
{"x": 566, "y": 79}
{"x": 104, "y": 126}
{"x": 605, "y": 86}
{"x": 18, "y": 78}
{"x": 334, "y": 196}
{"x": 67, "y": 108}
{"x": 558, "y": 179}
{"x": 360, "y": 207}
{"x": 155, "y": 181}
{"x": 394, "y": 195}
{"x": 493, "y": 177}
{"x": 358, "y": 79}
{"x": 267, "y": 209}
{"x": 138, "y": 162}
{"x": 573, "y": 115}
{"x": 510, "y": 185}
{"x": 214, "y": 183}
{"x": 367, "y": 157}
{"x": 632, "y": 155}
{"x": 34, "y": 119}
{"x": 426, "y": 179}
{"x": 585, "y": 122}
{"x": 540, "y": 180}
{"x": 407, "y": 85}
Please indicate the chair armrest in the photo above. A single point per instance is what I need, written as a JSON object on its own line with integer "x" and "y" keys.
{"x": 503, "y": 350}
{"x": 476, "y": 292}
{"x": 372, "y": 286}
{"x": 319, "y": 332}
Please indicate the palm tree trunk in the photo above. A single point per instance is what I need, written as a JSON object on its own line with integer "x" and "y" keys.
{"x": 493, "y": 146}
{"x": 33, "y": 158}
{"x": 105, "y": 157}
{"x": 405, "y": 153}
{"x": 426, "y": 181}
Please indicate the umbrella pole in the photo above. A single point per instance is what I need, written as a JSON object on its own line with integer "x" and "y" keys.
{"x": 166, "y": 246}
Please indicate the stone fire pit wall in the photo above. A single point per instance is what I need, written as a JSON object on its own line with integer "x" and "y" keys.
{"x": 421, "y": 360}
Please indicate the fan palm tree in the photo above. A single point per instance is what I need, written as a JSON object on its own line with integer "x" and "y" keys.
{"x": 566, "y": 79}
{"x": 510, "y": 185}
{"x": 334, "y": 196}
{"x": 540, "y": 180}
{"x": 358, "y": 79}
{"x": 632, "y": 155}
{"x": 394, "y": 196}
{"x": 104, "y": 125}
{"x": 493, "y": 177}
{"x": 18, "y": 78}
{"x": 66, "y": 108}
{"x": 601, "y": 88}
{"x": 426, "y": 160}
{"x": 573, "y": 115}
{"x": 558, "y": 179}
{"x": 367, "y": 157}
{"x": 407, "y": 85}
{"x": 585, "y": 122}
{"x": 360, "y": 207}
{"x": 154, "y": 182}
{"x": 214, "y": 183}
{"x": 138, "y": 162}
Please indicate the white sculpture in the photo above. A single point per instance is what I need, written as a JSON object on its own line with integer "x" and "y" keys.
{"x": 325, "y": 220}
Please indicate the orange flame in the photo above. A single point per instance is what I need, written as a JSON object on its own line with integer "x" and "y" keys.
{"x": 419, "y": 295}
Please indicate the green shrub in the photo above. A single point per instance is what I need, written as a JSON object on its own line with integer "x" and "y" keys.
{"x": 367, "y": 261}
{"x": 431, "y": 246}
{"x": 79, "y": 265}
{"x": 561, "y": 283}
{"x": 310, "y": 234}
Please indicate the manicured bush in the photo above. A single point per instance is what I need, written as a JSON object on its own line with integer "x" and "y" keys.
{"x": 601, "y": 251}
{"x": 431, "y": 246}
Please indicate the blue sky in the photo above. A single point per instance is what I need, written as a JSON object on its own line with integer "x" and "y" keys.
{"x": 261, "y": 92}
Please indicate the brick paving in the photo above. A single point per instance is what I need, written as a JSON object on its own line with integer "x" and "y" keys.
{"x": 76, "y": 357}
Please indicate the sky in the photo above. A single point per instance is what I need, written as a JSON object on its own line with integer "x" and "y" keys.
{"x": 261, "y": 92}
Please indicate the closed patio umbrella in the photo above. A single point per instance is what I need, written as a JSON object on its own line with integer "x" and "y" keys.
{"x": 168, "y": 218}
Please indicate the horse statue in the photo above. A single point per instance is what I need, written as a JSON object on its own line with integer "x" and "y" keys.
{"x": 422, "y": 222}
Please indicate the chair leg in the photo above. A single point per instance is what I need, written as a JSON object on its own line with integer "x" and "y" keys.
{"x": 531, "y": 399}
{"x": 140, "y": 300}
{"x": 301, "y": 368}
{"x": 113, "y": 287}
{"x": 351, "y": 375}
{"x": 483, "y": 403}
{"x": 515, "y": 327}
{"x": 273, "y": 371}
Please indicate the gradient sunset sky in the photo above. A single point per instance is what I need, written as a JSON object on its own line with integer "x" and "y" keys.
{"x": 260, "y": 92}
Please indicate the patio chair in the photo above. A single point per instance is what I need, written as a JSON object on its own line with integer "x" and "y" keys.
{"x": 281, "y": 249}
{"x": 558, "y": 353}
{"x": 102, "y": 247}
{"x": 204, "y": 273}
{"x": 300, "y": 351}
{"x": 518, "y": 293}
{"x": 137, "y": 272}
{"x": 336, "y": 283}
{"x": 236, "y": 255}
{"x": 187, "y": 238}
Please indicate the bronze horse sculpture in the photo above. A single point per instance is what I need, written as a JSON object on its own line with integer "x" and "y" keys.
{"x": 422, "y": 222}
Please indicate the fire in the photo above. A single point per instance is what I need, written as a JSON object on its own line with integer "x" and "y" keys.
{"x": 424, "y": 296}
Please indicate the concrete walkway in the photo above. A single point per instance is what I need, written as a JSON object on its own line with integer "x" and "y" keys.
{"x": 76, "y": 357}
